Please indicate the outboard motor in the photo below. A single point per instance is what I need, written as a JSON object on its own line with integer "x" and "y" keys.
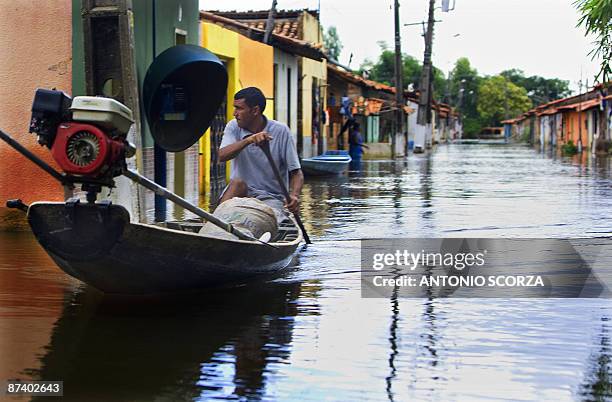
{"x": 86, "y": 135}
{"x": 183, "y": 89}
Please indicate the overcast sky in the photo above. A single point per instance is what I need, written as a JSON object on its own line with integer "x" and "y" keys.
{"x": 537, "y": 36}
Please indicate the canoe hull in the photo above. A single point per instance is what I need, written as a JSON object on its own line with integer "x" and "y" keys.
{"x": 99, "y": 246}
{"x": 326, "y": 165}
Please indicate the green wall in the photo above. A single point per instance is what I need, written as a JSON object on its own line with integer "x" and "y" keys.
{"x": 166, "y": 22}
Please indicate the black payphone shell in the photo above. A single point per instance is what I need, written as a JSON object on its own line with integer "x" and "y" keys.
{"x": 183, "y": 89}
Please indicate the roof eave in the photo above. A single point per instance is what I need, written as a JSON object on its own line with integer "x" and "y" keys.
{"x": 288, "y": 45}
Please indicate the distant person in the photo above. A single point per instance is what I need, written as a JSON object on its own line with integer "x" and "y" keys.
{"x": 356, "y": 145}
{"x": 251, "y": 173}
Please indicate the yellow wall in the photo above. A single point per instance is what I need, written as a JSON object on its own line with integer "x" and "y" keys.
{"x": 256, "y": 62}
{"x": 311, "y": 69}
{"x": 311, "y": 29}
{"x": 225, "y": 44}
{"x": 249, "y": 63}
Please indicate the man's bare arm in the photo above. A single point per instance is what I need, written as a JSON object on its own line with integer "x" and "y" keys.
{"x": 296, "y": 181}
{"x": 231, "y": 151}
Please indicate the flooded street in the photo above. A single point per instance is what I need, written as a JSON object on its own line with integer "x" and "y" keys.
{"x": 308, "y": 334}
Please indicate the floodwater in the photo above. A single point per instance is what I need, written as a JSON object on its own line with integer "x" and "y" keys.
{"x": 308, "y": 334}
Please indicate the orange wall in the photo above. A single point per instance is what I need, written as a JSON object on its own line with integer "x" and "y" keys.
{"x": 257, "y": 69}
{"x": 572, "y": 130}
{"x": 35, "y": 51}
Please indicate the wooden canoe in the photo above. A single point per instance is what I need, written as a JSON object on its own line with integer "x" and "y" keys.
{"x": 98, "y": 245}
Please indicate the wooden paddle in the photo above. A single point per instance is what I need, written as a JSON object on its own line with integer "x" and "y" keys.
{"x": 265, "y": 147}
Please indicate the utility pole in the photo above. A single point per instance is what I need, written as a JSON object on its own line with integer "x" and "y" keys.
{"x": 270, "y": 22}
{"x": 506, "y": 106}
{"x": 399, "y": 86}
{"x": 448, "y": 95}
{"x": 424, "y": 113}
{"x": 580, "y": 100}
{"x": 460, "y": 95}
{"x": 107, "y": 30}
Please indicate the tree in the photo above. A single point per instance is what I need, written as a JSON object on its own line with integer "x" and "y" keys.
{"x": 439, "y": 84}
{"x": 411, "y": 69}
{"x": 464, "y": 85}
{"x": 383, "y": 70}
{"x": 331, "y": 41}
{"x": 539, "y": 89}
{"x": 499, "y": 98}
{"x": 596, "y": 18}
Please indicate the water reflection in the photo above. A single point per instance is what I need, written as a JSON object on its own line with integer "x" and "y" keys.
{"x": 393, "y": 342}
{"x": 309, "y": 334}
{"x": 597, "y": 384}
{"x": 221, "y": 344}
{"x": 32, "y": 296}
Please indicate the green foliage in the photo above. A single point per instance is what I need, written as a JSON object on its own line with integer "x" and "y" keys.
{"x": 411, "y": 69}
{"x": 472, "y": 126}
{"x": 332, "y": 43}
{"x": 539, "y": 89}
{"x": 464, "y": 88}
{"x": 439, "y": 84}
{"x": 596, "y": 18}
{"x": 499, "y": 98}
{"x": 526, "y": 135}
{"x": 569, "y": 148}
{"x": 480, "y": 100}
{"x": 383, "y": 70}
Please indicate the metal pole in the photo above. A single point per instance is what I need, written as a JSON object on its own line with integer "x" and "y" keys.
{"x": 506, "y": 105}
{"x": 580, "y": 99}
{"x": 270, "y": 22}
{"x": 399, "y": 87}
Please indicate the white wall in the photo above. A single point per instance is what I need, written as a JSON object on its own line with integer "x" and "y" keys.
{"x": 420, "y": 137}
{"x": 286, "y": 61}
{"x": 412, "y": 121}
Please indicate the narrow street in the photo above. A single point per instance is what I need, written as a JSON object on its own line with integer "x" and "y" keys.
{"x": 277, "y": 338}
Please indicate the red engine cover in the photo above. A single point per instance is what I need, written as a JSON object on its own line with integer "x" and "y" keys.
{"x": 108, "y": 150}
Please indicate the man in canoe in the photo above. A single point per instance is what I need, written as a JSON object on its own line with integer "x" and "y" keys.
{"x": 251, "y": 172}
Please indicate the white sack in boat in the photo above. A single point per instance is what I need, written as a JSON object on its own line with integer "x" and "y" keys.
{"x": 248, "y": 215}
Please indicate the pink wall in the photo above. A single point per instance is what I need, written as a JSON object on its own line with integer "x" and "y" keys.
{"x": 35, "y": 51}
